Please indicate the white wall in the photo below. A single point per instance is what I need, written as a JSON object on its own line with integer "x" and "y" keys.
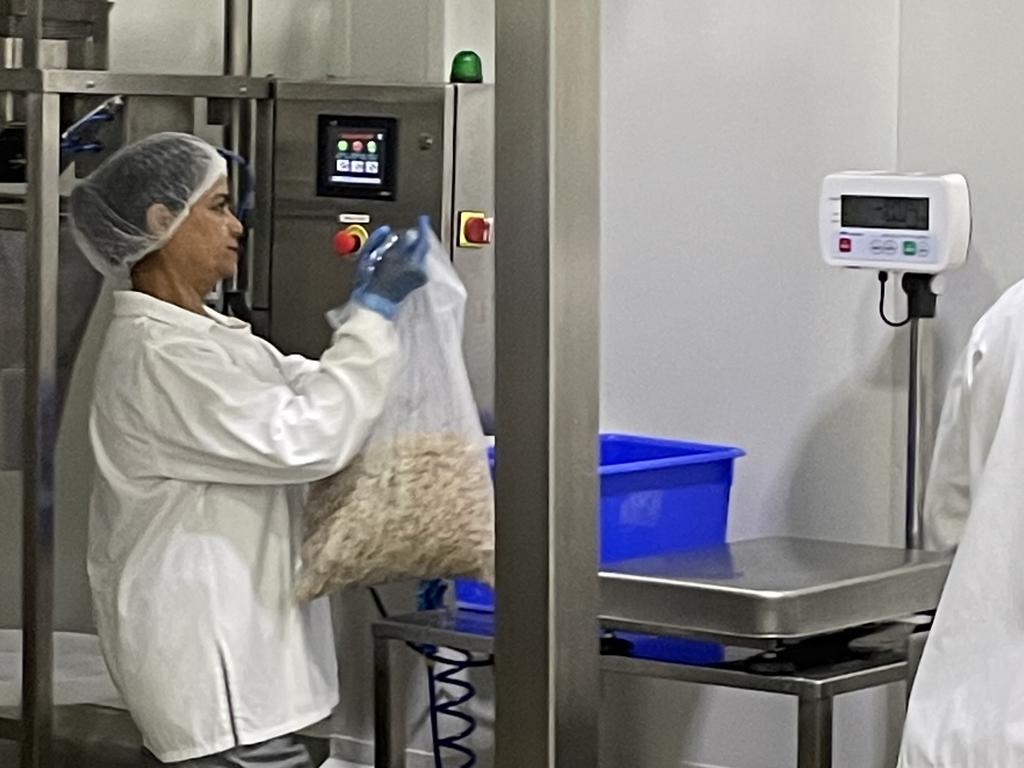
{"x": 720, "y": 323}
{"x": 960, "y": 108}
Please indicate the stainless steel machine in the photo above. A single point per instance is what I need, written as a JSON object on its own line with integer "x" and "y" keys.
{"x": 348, "y": 158}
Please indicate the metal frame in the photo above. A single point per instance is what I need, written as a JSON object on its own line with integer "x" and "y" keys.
{"x": 919, "y": 429}
{"x": 814, "y": 690}
{"x": 101, "y": 83}
{"x": 547, "y": 292}
{"x": 40, "y": 217}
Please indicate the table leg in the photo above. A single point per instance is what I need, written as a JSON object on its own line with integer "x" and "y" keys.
{"x": 814, "y": 733}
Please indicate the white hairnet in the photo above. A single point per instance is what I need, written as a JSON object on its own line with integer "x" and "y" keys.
{"x": 109, "y": 209}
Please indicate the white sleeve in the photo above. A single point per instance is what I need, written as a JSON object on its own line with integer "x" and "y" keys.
{"x": 212, "y": 422}
{"x": 948, "y": 495}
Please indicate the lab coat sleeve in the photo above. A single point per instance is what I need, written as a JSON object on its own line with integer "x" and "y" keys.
{"x": 947, "y": 496}
{"x": 294, "y": 367}
{"x": 213, "y": 422}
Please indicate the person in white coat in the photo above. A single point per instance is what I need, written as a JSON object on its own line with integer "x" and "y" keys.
{"x": 204, "y": 436}
{"x": 967, "y": 705}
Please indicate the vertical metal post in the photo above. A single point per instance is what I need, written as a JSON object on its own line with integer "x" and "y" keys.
{"x": 237, "y": 37}
{"x": 238, "y": 61}
{"x": 31, "y": 51}
{"x": 915, "y": 650}
{"x": 916, "y": 459}
{"x": 814, "y": 733}
{"x": 547, "y": 180}
{"x": 261, "y": 234}
{"x": 40, "y": 434}
{"x": 388, "y": 711}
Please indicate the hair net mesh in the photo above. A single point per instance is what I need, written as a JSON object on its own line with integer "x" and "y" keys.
{"x": 109, "y": 209}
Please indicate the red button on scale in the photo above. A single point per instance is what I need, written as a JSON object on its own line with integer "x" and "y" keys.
{"x": 845, "y": 245}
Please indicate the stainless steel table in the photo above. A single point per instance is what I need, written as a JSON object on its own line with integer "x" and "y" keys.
{"x": 811, "y": 619}
{"x": 815, "y": 685}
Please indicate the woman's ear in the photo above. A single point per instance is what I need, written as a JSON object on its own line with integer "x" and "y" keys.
{"x": 158, "y": 219}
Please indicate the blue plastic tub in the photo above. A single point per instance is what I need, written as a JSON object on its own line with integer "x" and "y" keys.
{"x": 657, "y": 496}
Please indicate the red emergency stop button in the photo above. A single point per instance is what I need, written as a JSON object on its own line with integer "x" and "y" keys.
{"x": 348, "y": 241}
{"x": 474, "y": 229}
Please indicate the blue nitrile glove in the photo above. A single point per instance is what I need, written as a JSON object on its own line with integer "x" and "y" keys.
{"x": 390, "y": 267}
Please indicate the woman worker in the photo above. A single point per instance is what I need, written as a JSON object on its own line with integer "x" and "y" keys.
{"x": 204, "y": 435}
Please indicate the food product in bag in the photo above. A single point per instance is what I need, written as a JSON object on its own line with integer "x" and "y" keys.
{"x": 418, "y": 502}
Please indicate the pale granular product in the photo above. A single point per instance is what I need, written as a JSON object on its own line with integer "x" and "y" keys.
{"x": 421, "y": 507}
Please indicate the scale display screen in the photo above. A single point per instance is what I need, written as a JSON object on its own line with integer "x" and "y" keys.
{"x": 357, "y": 157}
{"x": 876, "y": 212}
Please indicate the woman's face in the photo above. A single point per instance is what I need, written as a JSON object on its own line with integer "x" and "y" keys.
{"x": 205, "y": 247}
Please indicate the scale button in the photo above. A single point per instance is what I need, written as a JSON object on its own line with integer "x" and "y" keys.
{"x": 890, "y": 247}
{"x": 845, "y": 245}
{"x": 876, "y": 247}
{"x": 922, "y": 249}
{"x": 909, "y": 248}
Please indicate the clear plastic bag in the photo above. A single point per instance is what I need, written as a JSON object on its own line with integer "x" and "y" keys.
{"x": 418, "y": 502}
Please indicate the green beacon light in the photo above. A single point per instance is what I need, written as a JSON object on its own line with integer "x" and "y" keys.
{"x": 466, "y": 68}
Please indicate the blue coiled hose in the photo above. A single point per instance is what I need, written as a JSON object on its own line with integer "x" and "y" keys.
{"x": 444, "y": 670}
{"x": 452, "y": 709}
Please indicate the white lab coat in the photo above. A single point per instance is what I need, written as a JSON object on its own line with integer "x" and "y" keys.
{"x": 204, "y": 435}
{"x": 967, "y": 705}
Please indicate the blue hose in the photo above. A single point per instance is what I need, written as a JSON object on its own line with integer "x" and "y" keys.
{"x": 443, "y": 670}
{"x": 452, "y": 709}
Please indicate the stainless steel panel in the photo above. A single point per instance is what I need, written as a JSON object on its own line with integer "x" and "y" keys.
{"x": 21, "y": 80}
{"x": 14, "y": 213}
{"x": 10, "y": 728}
{"x": 261, "y": 239}
{"x": 546, "y": 327}
{"x": 306, "y": 277}
{"x": 772, "y": 588}
{"x": 40, "y": 432}
{"x": 145, "y": 115}
{"x": 473, "y": 190}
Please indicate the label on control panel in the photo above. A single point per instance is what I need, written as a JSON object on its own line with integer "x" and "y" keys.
{"x": 353, "y": 218}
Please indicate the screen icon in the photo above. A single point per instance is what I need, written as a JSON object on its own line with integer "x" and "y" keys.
{"x": 372, "y": 166}
{"x": 358, "y": 166}
{"x": 343, "y": 165}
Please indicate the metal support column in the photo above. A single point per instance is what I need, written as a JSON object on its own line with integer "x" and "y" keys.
{"x": 40, "y": 434}
{"x": 40, "y": 431}
{"x": 915, "y": 650}
{"x": 547, "y": 156}
{"x": 388, "y": 718}
{"x": 918, "y": 429}
{"x": 814, "y": 733}
{"x": 238, "y": 134}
